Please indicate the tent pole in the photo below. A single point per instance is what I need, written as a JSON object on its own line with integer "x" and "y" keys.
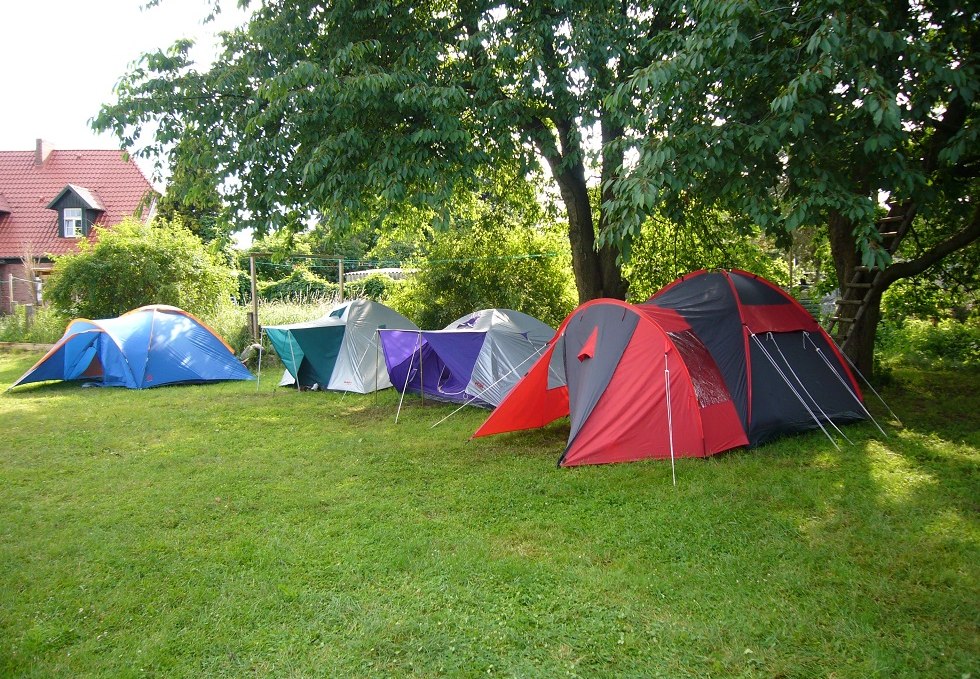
{"x": 795, "y": 392}
{"x": 670, "y": 420}
{"x": 850, "y": 390}
{"x": 805, "y": 390}
{"x": 377, "y": 352}
{"x": 149, "y": 345}
{"x": 421, "y": 374}
{"x": 258, "y": 378}
{"x": 408, "y": 375}
{"x": 292, "y": 355}
{"x": 865, "y": 379}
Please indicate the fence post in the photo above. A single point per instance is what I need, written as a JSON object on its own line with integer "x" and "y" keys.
{"x": 340, "y": 277}
{"x": 29, "y": 316}
{"x": 254, "y": 321}
{"x": 10, "y": 290}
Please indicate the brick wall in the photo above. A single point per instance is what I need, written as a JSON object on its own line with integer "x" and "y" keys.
{"x": 22, "y": 290}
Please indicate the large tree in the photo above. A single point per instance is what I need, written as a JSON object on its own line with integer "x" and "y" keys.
{"x": 334, "y": 107}
{"x": 807, "y": 113}
{"x": 193, "y": 197}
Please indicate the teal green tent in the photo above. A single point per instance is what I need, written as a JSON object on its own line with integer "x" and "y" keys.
{"x": 340, "y": 350}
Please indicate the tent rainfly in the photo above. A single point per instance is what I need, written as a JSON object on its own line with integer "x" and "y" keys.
{"x": 475, "y": 359}
{"x": 146, "y": 347}
{"x": 714, "y": 361}
{"x": 338, "y": 351}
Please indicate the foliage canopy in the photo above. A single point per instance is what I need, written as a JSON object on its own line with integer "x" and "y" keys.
{"x": 346, "y": 109}
{"x": 806, "y": 113}
{"x": 784, "y": 113}
{"x": 665, "y": 250}
{"x": 486, "y": 265}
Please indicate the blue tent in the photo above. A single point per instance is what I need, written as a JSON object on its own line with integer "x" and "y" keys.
{"x": 147, "y": 347}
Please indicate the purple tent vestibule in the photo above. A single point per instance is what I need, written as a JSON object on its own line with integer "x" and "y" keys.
{"x": 475, "y": 359}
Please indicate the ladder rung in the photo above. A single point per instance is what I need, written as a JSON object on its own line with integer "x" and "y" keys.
{"x": 841, "y": 319}
{"x": 850, "y": 301}
{"x": 888, "y": 234}
{"x": 895, "y": 218}
{"x": 859, "y": 285}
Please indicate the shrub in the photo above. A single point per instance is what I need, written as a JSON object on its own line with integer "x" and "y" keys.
{"x": 377, "y": 287}
{"x": 231, "y": 320}
{"x": 943, "y": 344}
{"x": 486, "y": 266}
{"x": 927, "y": 298}
{"x": 663, "y": 251}
{"x": 134, "y": 264}
{"x": 300, "y": 285}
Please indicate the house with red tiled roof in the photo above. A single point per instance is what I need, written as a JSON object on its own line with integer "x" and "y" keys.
{"x": 51, "y": 199}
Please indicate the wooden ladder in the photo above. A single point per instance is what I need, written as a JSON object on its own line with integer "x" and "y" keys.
{"x": 857, "y": 291}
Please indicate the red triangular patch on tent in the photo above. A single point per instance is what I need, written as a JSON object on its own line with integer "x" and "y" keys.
{"x": 588, "y": 349}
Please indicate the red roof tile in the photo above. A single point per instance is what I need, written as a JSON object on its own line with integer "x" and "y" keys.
{"x": 27, "y": 189}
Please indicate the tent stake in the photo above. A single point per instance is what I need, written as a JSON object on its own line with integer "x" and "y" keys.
{"x": 670, "y": 421}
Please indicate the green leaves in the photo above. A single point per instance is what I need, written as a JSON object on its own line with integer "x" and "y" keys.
{"x": 485, "y": 265}
{"x": 135, "y": 264}
{"x": 818, "y": 113}
{"x": 321, "y": 109}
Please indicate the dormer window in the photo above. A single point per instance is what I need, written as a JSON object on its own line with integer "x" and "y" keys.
{"x": 78, "y": 209}
{"x": 72, "y": 221}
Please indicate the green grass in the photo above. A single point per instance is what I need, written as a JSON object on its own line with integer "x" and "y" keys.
{"x": 225, "y": 530}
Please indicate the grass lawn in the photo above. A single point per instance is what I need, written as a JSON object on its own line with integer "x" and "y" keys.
{"x": 227, "y": 531}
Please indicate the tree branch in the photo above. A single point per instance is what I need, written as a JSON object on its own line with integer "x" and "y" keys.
{"x": 960, "y": 239}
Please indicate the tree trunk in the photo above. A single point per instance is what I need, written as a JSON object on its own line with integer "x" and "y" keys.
{"x": 612, "y": 274}
{"x": 597, "y": 273}
{"x": 586, "y": 264}
{"x": 861, "y": 345}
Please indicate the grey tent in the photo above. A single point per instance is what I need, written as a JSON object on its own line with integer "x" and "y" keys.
{"x": 340, "y": 350}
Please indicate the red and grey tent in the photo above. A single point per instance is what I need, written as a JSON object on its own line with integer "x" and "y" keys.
{"x": 714, "y": 361}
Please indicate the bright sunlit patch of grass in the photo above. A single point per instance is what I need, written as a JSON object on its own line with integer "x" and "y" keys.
{"x": 898, "y": 478}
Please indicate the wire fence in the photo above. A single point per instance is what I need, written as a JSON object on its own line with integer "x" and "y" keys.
{"x": 30, "y": 292}
{"x": 332, "y": 266}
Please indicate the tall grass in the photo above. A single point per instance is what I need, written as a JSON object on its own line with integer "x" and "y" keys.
{"x": 231, "y": 320}
{"x": 48, "y": 326}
